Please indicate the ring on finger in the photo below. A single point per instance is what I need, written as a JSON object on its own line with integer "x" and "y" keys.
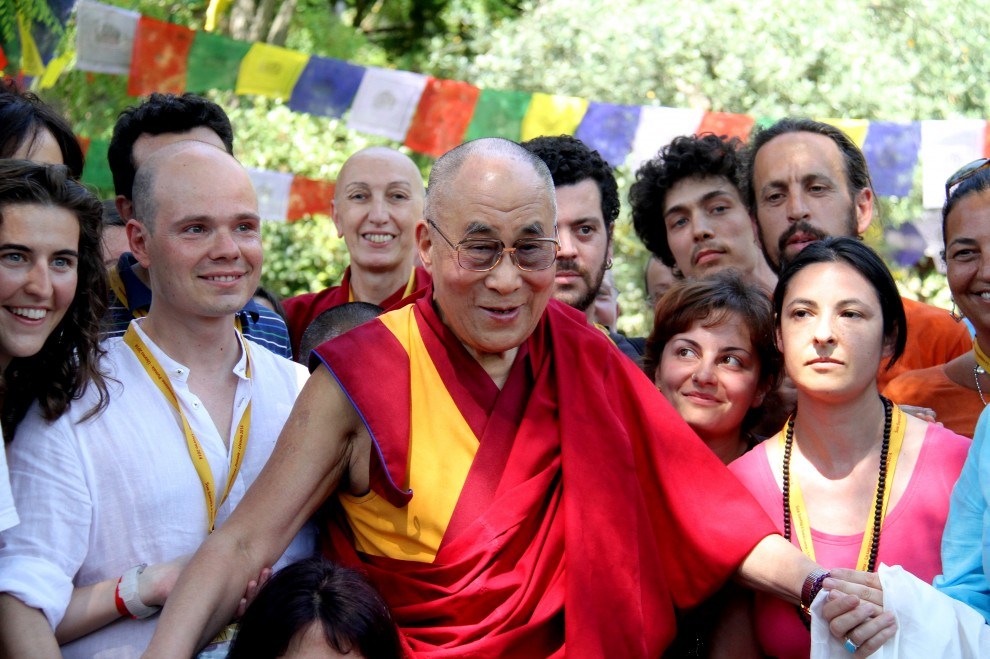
{"x": 850, "y": 646}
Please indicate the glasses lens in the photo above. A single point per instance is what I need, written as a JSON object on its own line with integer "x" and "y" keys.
{"x": 536, "y": 254}
{"x": 965, "y": 172}
{"x": 479, "y": 254}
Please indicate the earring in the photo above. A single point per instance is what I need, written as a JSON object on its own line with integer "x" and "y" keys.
{"x": 956, "y": 316}
{"x": 608, "y": 263}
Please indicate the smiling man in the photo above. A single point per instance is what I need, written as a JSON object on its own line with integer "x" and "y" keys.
{"x": 688, "y": 210}
{"x": 111, "y": 503}
{"x": 378, "y": 199}
{"x": 506, "y": 499}
{"x": 806, "y": 180}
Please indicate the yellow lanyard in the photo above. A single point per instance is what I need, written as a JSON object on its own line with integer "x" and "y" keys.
{"x": 981, "y": 357}
{"x": 799, "y": 513}
{"x": 158, "y": 376}
{"x": 118, "y": 288}
{"x": 410, "y": 288}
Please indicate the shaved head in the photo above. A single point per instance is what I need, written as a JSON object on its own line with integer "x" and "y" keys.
{"x": 400, "y": 163}
{"x": 447, "y": 167}
{"x": 165, "y": 159}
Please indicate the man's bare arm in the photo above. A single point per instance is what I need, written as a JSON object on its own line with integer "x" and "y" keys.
{"x": 320, "y": 444}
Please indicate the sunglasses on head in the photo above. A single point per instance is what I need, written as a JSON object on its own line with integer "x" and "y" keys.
{"x": 965, "y": 172}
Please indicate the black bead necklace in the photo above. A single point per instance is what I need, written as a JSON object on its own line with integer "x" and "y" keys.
{"x": 881, "y": 481}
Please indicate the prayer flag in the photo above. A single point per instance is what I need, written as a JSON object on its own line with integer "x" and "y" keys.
{"x": 854, "y": 128}
{"x": 270, "y": 71}
{"x": 550, "y": 114}
{"x": 442, "y": 117}
{"x": 657, "y": 127}
{"x": 54, "y": 69}
{"x": 214, "y": 61}
{"x": 945, "y": 147}
{"x": 158, "y": 61}
{"x": 905, "y": 243}
{"x": 3, "y": 60}
{"x": 891, "y": 151}
{"x": 272, "y": 189}
{"x": 609, "y": 129}
{"x": 31, "y": 63}
{"x": 326, "y": 87}
{"x": 727, "y": 124}
{"x": 104, "y": 37}
{"x": 83, "y": 144}
{"x": 96, "y": 171}
{"x": 498, "y": 114}
{"x": 308, "y": 197}
{"x": 385, "y": 102}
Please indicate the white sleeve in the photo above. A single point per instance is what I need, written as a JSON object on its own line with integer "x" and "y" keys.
{"x": 40, "y": 556}
{"x": 8, "y": 513}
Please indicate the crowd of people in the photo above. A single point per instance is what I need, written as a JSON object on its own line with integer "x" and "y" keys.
{"x": 476, "y": 462}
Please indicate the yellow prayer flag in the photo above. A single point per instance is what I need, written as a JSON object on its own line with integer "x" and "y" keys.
{"x": 550, "y": 114}
{"x": 213, "y": 12}
{"x": 54, "y": 70}
{"x": 270, "y": 71}
{"x": 854, "y": 128}
{"x": 31, "y": 63}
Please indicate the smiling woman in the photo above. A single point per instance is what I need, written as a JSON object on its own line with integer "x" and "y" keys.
{"x": 52, "y": 295}
{"x": 850, "y": 479}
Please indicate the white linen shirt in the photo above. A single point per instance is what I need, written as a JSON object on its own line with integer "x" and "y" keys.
{"x": 99, "y": 496}
{"x": 8, "y": 514}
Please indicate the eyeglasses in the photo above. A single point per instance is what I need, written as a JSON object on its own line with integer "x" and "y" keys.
{"x": 483, "y": 254}
{"x": 965, "y": 172}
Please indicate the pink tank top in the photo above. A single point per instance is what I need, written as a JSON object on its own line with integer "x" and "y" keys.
{"x": 911, "y": 534}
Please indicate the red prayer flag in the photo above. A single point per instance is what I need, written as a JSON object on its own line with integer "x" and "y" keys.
{"x": 308, "y": 196}
{"x": 3, "y": 60}
{"x": 160, "y": 56}
{"x": 726, "y": 123}
{"x": 442, "y": 117}
{"x": 83, "y": 144}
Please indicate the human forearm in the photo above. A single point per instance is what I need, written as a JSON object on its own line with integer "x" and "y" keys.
{"x": 24, "y": 631}
{"x": 90, "y": 608}
{"x": 777, "y": 567}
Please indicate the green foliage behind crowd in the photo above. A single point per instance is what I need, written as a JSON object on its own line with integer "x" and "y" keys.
{"x": 897, "y": 60}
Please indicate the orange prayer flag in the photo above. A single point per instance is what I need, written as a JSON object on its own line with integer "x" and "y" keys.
{"x": 83, "y": 144}
{"x": 160, "y": 57}
{"x": 309, "y": 196}
{"x": 726, "y": 123}
{"x": 443, "y": 115}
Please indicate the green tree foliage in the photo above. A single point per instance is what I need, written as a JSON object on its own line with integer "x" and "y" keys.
{"x": 892, "y": 60}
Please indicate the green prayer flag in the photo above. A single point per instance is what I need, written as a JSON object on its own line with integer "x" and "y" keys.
{"x": 498, "y": 114}
{"x": 214, "y": 62}
{"x": 97, "y": 170}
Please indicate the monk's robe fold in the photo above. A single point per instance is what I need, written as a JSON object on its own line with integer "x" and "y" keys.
{"x": 303, "y": 309}
{"x": 591, "y": 512}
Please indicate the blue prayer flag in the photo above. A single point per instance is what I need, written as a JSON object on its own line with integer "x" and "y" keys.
{"x": 609, "y": 129}
{"x": 891, "y": 151}
{"x": 326, "y": 87}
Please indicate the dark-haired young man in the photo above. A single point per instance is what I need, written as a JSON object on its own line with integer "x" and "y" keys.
{"x": 140, "y": 131}
{"x": 587, "y": 207}
{"x": 688, "y": 210}
{"x": 806, "y": 180}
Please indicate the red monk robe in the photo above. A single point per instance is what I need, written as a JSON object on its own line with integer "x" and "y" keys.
{"x": 590, "y": 513}
{"x": 303, "y": 309}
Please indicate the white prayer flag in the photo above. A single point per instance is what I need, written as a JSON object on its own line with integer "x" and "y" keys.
{"x": 104, "y": 37}
{"x": 945, "y": 147}
{"x": 657, "y": 127}
{"x": 386, "y": 102}
{"x": 272, "y": 189}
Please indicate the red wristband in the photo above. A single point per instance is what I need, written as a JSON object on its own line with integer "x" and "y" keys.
{"x": 121, "y": 607}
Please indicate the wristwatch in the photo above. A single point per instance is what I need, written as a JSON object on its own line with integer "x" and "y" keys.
{"x": 128, "y": 597}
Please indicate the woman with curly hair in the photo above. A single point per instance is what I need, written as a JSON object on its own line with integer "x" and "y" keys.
{"x": 52, "y": 296}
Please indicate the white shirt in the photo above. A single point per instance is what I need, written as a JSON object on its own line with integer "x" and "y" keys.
{"x": 8, "y": 514}
{"x": 97, "y": 497}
